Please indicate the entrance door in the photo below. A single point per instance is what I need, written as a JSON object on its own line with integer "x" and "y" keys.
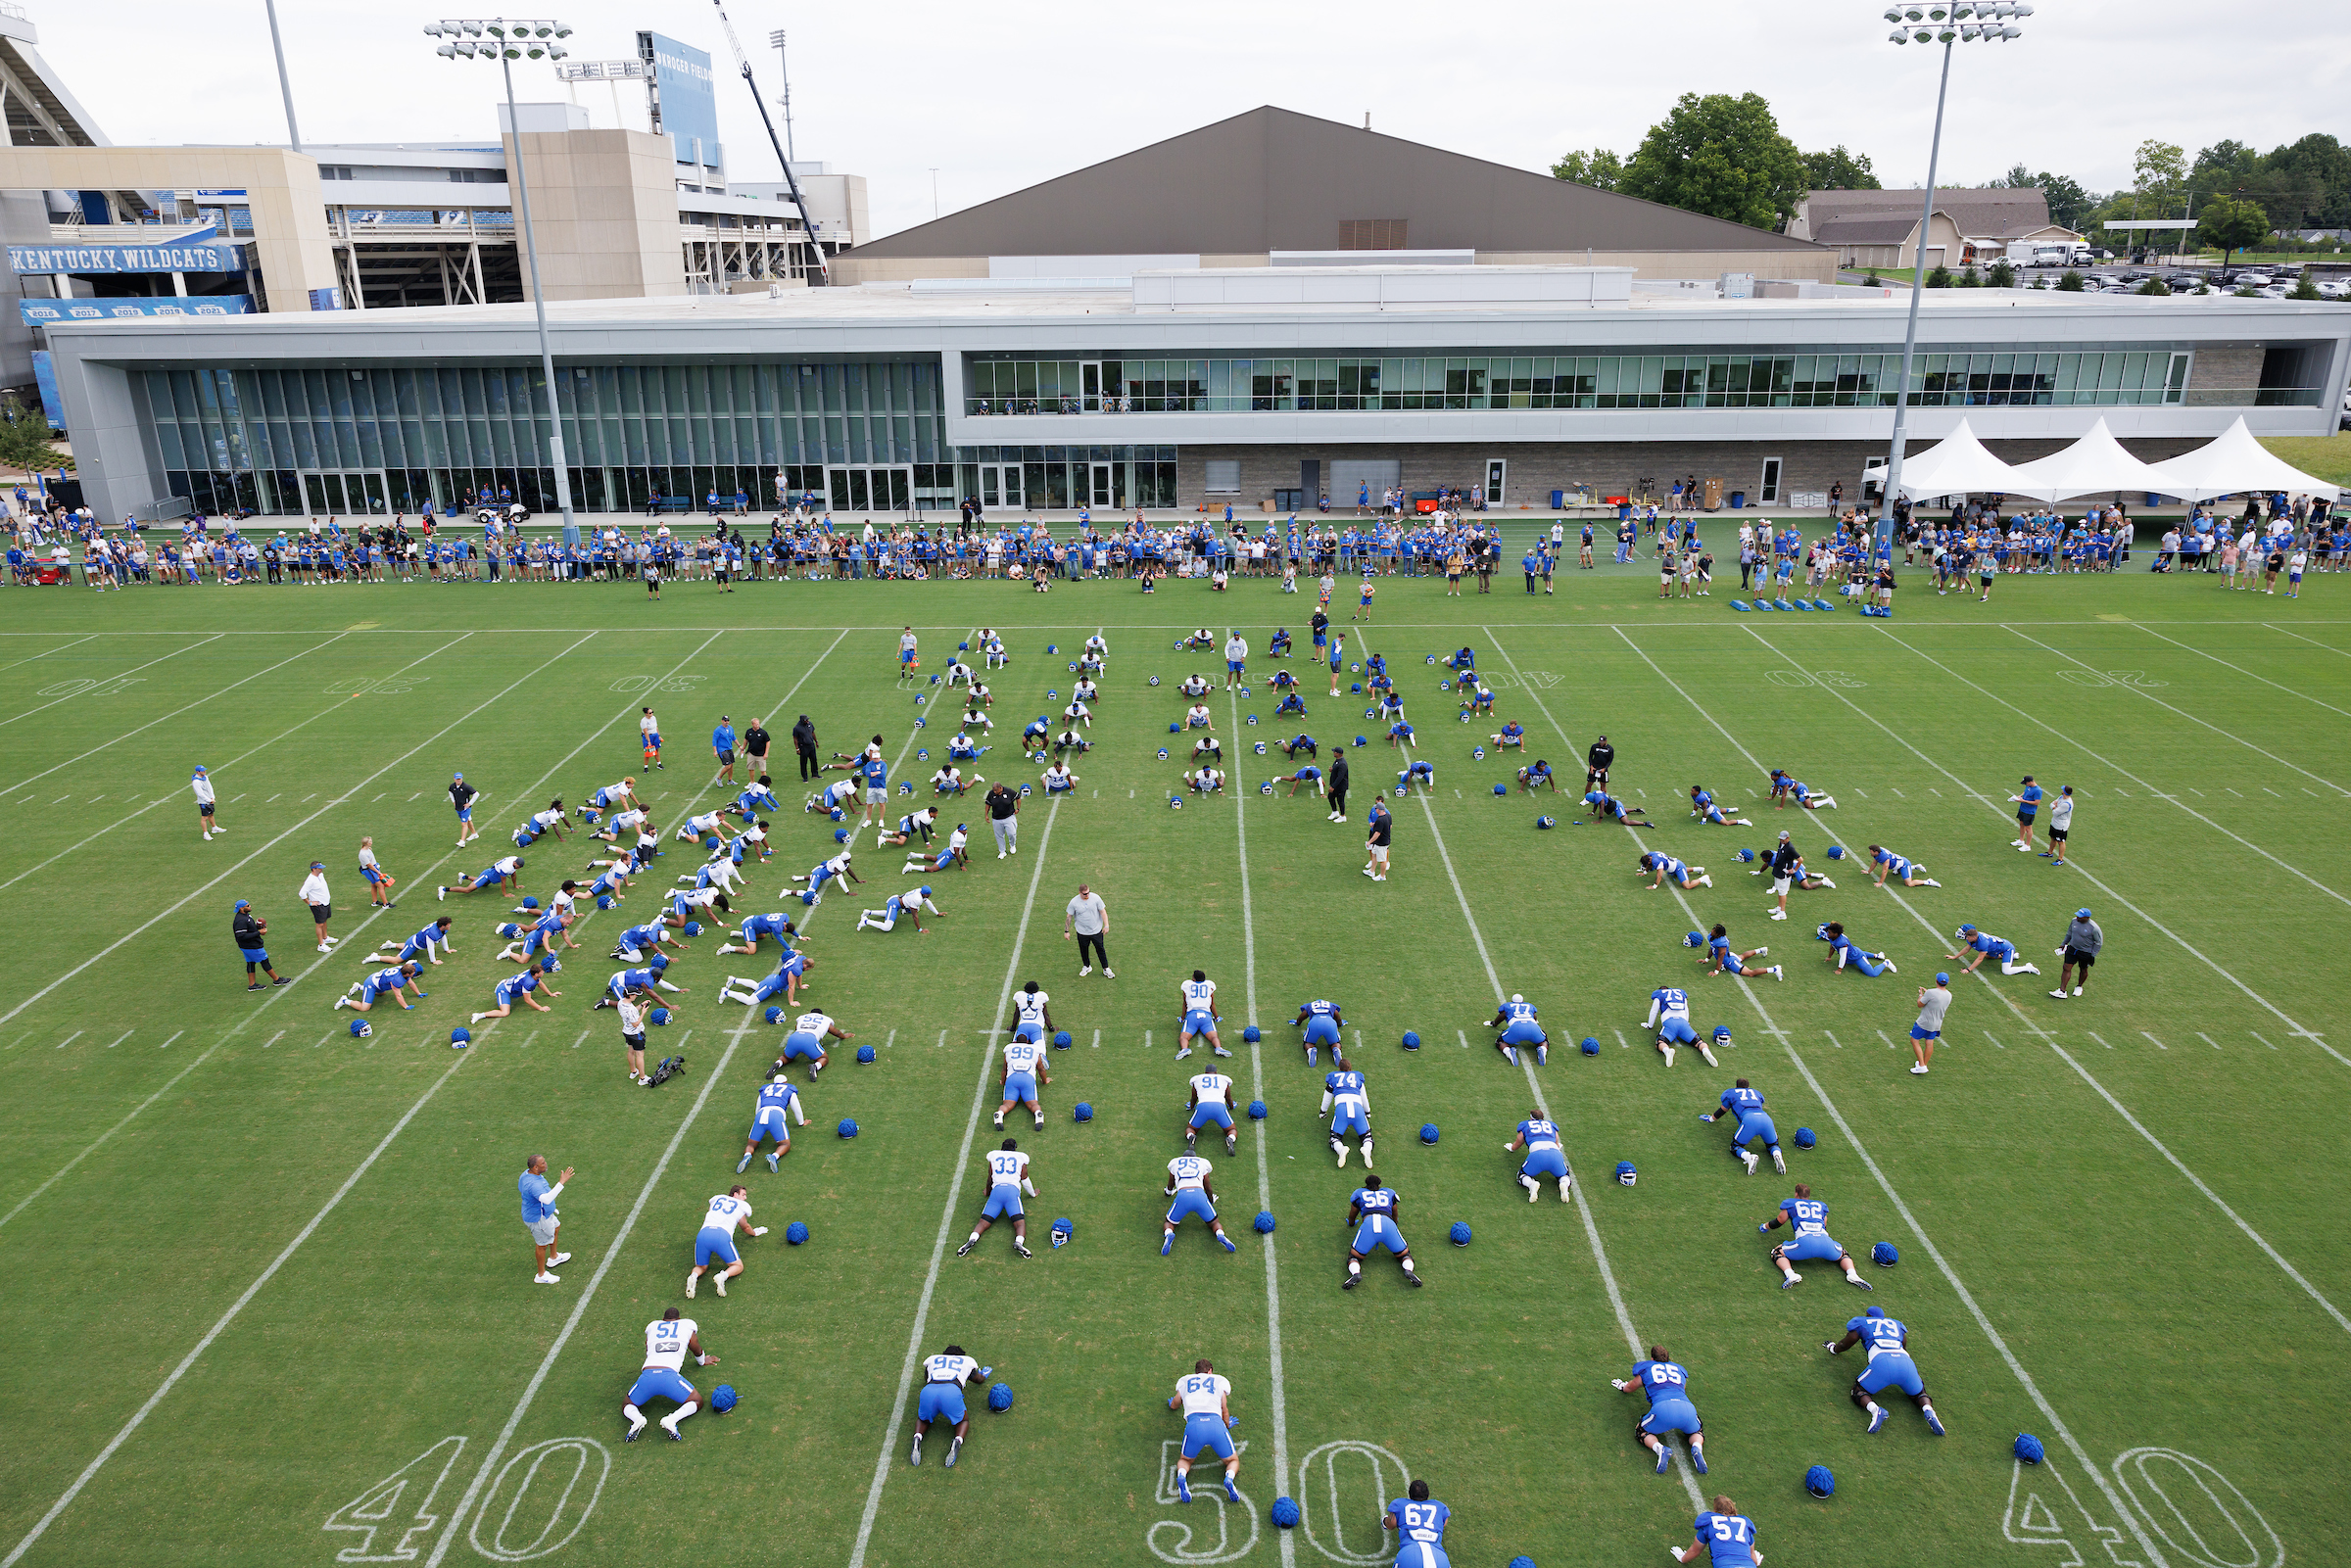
{"x": 1001, "y": 485}
{"x": 872, "y": 489}
{"x": 1089, "y": 373}
{"x": 1106, "y": 487}
{"x": 1495, "y": 468}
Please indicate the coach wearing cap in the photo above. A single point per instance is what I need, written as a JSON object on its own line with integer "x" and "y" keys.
{"x": 539, "y": 1217}
{"x": 1597, "y": 763}
{"x": 323, "y": 903}
{"x": 2084, "y": 941}
{"x": 1784, "y": 862}
{"x": 248, "y": 932}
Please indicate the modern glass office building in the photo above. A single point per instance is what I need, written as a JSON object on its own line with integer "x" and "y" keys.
{"x": 1045, "y": 396}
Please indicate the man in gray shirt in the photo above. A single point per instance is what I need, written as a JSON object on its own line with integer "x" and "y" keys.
{"x": 1089, "y": 920}
{"x": 2082, "y": 942}
{"x": 2061, "y": 823}
{"x": 1933, "y": 1001}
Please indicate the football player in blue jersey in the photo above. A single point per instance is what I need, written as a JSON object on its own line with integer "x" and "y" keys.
{"x": 757, "y": 927}
{"x": 1721, "y": 959}
{"x": 1889, "y": 863}
{"x": 1371, "y": 1213}
{"x": 1663, "y": 866}
{"x": 1667, "y": 1385}
{"x": 1843, "y": 951}
{"x": 1725, "y": 1536}
{"x": 1811, "y": 1218}
{"x": 1670, "y": 1018}
{"x": 1986, "y": 946}
{"x": 1515, "y": 1020}
{"x": 1890, "y": 1366}
{"x": 1535, "y": 775}
{"x": 1322, "y": 1021}
{"x": 777, "y": 1097}
{"x": 364, "y": 994}
{"x": 518, "y": 988}
{"x": 1703, "y": 807}
{"x": 420, "y": 945}
{"x": 1419, "y": 1525}
{"x": 1350, "y": 1106}
{"x": 1746, "y": 1102}
{"x": 1539, "y": 1136}
{"x": 1607, "y": 808}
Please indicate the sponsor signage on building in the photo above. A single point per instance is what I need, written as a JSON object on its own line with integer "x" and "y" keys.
{"x": 48, "y": 312}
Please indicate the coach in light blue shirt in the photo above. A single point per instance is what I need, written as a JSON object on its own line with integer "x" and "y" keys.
{"x": 722, "y": 747}
{"x": 539, "y": 1215}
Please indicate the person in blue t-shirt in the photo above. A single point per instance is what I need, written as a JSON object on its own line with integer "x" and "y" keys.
{"x": 1321, "y": 1020}
{"x": 1419, "y": 1525}
{"x": 1843, "y": 951}
{"x": 1725, "y": 1537}
{"x": 1986, "y": 946}
{"x": 1539, "y": 1136}
{"x": 2028, "y": 806}
{"x": 722, "y": 747}
{"x": 1890, "y": 1366}
{"x": 1744, "y": 1102}
{"x": 1667, "y": 1383}
{"x": 1515, "y": 1021}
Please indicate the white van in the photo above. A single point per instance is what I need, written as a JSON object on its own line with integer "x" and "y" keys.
{"x": 2060, "y": 254}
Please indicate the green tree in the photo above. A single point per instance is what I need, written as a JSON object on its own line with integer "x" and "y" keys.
{"x": 2001, "y": 277}
{"x": 2069, "y": 202}
{"x": 1969, "y": 278}
{"x": 2159, "y": 171}
{"x": 2231, "y": 224}
{"x": 1839, "y": 171}
{"x": 2019, "y": 177}
{"x": 1598, "y": 169}
{"x": 2153, "y": 286}
{"x": 1940, "y": 277}
{"x": 24, "y": 442}
{"x": 2071, "y": 284}
{"x": 2305, "y": 287}
{"x": 1721, "y": 156}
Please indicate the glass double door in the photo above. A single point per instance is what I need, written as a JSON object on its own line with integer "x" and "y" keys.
{"x": 1001, "y": 485}
{"x": 361, "y": 494}
{"x": 873, "y": 489}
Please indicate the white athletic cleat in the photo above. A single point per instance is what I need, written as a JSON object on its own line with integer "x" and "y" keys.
{"x": 2032, "y": 969}
{"x": 1762, "y": 952}
{"x": 2059, "y": 993}
{"x": 342, "y": 1002}
{"x": 1779, "y": 972}
{"x": 1708, "y": 1054}
{"x": 1777, "y": 913}
{"x": 719, "y": 1282}
{"x": 1918, "y": 1069}
{"x": 1825, "y": 883}
{"x": 542, "y": 1277}
{"x": 1668, "y": 1050}
{"x": 1705, "y": 881}
{"x": 2077, "y": 990}
{"x": 1890, "y": 969}
{"x": 1746, "y": 1156}
{"x": 1779, "y": 1163}
{"x": 1791, "y": 1281}
{"x": 692, "y": 1280}
{"x": 1083, "y": 970}
{"x": 1930, "y": 882}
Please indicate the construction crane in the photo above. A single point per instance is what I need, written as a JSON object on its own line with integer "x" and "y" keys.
{"x": 823, "y": 275}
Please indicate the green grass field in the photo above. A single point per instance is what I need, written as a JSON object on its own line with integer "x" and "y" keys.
{"x": 282, "y": 1298}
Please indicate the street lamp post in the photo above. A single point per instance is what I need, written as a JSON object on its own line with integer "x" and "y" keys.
{"x": 507, "y": 40}
{"x": 1946, "y": 24}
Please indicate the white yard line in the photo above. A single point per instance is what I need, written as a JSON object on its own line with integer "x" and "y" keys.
{"x": 223, "y": 766}
{"x": 270, "y": 844}
{"x": 175, "y": 711}
{"x": 2047, "y": 1038}
{"x": 2185, "y": 714}
{"x": 946, "y": 1213}
{"x": 1265, "y": 1174}
{"x": 213, "y": 637}
{"x": 1967, "y": 1297}
{"x": 44, "y": 653}
{"x": 2263, "y": 1002}
{"x": 547, "y": 1363}
{"x": 218, "y": 1328}
{"x": 2239, "y": 669}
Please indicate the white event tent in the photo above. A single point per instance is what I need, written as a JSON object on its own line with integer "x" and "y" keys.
{"x": 2232, "y": 463}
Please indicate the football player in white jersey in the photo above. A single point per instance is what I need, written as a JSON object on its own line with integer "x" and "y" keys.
{"x": 1024, "y": 1070}
{"x": 668, "y": 1340}
{"x": 777, "y": 1097}
{"x": 714, "y": 1244}
{"x": 1190, "y": 1190}
{"x": 1007, "y": 1179}
{"x": 1197, "y": 1019}
{"x": 1032, "y": 1019}
{"x": 1211, "y": 1104}
{"x": 809, "y": 1032}
{"x": 1206, "y": 1400}
{"x": 944, "y": 1377}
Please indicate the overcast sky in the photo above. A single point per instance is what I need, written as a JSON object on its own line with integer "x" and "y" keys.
{"x": 1001, "y": 95}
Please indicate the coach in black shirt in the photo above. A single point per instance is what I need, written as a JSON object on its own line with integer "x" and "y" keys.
{"x": 755, "y": 742}
{"x": 1338, "y": 785}
{"x": 1597, "y": 763}
{"x": 1004, "y": 819}
{"x": 803, "y": 741}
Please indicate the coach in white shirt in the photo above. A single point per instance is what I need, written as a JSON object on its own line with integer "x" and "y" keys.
{"x": 323, "y": 904}
{"x": 202, "y": 784}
